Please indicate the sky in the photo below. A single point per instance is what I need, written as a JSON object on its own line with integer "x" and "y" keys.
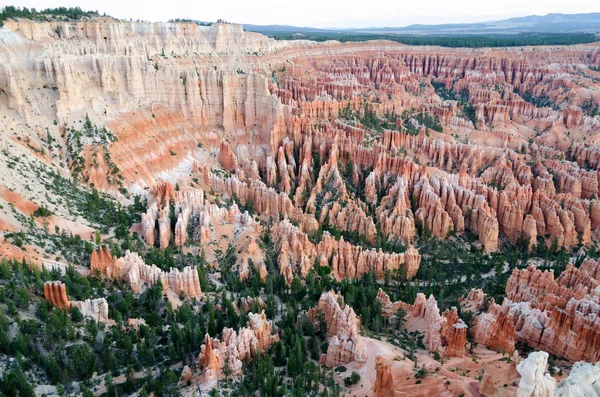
{"x": 323, "y": 13}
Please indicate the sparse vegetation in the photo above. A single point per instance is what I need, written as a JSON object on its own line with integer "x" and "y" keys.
{"x": 64, "y": 13}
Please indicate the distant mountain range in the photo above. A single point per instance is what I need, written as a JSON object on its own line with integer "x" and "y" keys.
{"x": 551, "y": 23}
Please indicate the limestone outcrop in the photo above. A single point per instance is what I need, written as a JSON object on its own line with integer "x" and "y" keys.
{"x": 583, "y": 380}
{"x": 384, "y": 381}
{"x": 132, "y": 269}
{"x": 56, "y": 293}
{"x": 535, "y": 382}
{"x": 445, "y": 334}
{"x": 343, "y": 329}
{"x": 236, "y": 347}
{"x": 299, "y": 254}
{"x": 94, "y": 308}
{"x": 556, "y": 315}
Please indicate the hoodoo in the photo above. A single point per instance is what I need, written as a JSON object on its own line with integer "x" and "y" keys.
{"x": 193, "y": 208}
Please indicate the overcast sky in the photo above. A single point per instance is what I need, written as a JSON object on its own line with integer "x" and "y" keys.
{"x": 323, "y": 13}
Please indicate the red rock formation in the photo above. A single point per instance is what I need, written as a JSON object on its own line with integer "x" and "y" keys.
{"x": 350, "y": 217}
{"x": 136, "y": 322}
{"x": 454, "y": 334}
{"x": 431, "y": 213}
{"x": 244, "y": 118}
{"x": 558, "y": 316}
{"x": 100, "y": 260}
{"x": 247, "y": 303}
{"x": 186, "y": 374}
{"x": 198, "y": 109}
{"x": 209, "y": 358}
{"x": 236, "y": 347}
{"x": 132, "y": 269}
{"x": 445, "y": 334}
{"x": 156, "y": 217}
{"x": 542, "y": 291}
{"x": 56, "y": 293}
{"x": 384, "y": 381}
{"x": 354, "y": 261}
{"x": 390, "y": 308}
{"x": 264, "y": 200}
{"x": 572, "y": 117}
{"x": 226, "y": 156}
{"x": 195, "y": 218}
{"x": 475, "y": 300}
{"x": 263, "y": 330}
{"x": 487, "y": 386}
{"x": 345, "y": 342}
{"x": 495, "y": 329}
{"x": 443, "y": 204}
{"x": 398, "y": 221}
{"x": 446, "y": 204}
{"x": 585, "y": 155}
{"x": 347, "y": 260}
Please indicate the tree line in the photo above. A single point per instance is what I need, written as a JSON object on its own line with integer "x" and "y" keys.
{"x": 71, "y": 13}
{"x": 468, "y": 41}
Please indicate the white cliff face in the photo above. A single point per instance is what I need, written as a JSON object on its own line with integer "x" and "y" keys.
{"x": 535, "y": 382}
{"x": 117, "y": 37}
{"x": 94, "y": 308}
{"x": 122, "y": 74}
{"x": 108, "y": 65}
{"x": 583, "y": 381}
{"x": 132, "y": 269}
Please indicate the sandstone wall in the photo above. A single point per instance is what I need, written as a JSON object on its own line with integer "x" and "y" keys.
{"x": 343, "y": 330}
{"x": 56, "y": 293}
{"x": 236, "y": 347}
{"x": 132, "y": 269}
{"x": 558, "y": 316}
{"x": 445, "y": 333}
{"x": 299, "y": 254}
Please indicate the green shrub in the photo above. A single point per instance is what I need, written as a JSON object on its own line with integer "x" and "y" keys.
{"x": 42, "y": 212}
{"x": 352, "y": 379}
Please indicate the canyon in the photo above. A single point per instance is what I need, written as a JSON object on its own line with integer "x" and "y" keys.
{"x": 277, "y": 187}
{"x": 435, "y": 195}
